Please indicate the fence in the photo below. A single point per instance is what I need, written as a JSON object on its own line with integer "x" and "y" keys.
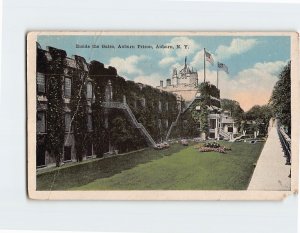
{"x": 285, "y": 141}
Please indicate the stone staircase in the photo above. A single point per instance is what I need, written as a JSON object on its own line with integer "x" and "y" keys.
{"x": 224, "y": 134}
{"x": 126, "y": 108}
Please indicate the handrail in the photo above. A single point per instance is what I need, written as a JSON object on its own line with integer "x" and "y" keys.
{"x": 224, "y": 134}
{"x": 174, "y": 123}
{"x": 285, "y": 141}
{"x": 124, "y": 106}
{"x": 189, "y": 105}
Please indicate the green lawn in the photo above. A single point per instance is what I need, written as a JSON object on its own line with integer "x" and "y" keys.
{"x": 183, "y": 168}
{"x": 77, "y": 174}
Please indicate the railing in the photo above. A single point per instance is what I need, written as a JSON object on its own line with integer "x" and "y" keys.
{"x": 224, "y": 134}
{"x": 285, "y": 141}
{"x": 214, "y": 116}
{"x": 239, "y": 137}
{"x": 124, "y": 106}
{"x": 187, "y": 107}
{"x": 172, "y": 125}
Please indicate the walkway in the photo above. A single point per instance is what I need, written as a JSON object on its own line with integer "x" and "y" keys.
{"x": 271, "y": 173}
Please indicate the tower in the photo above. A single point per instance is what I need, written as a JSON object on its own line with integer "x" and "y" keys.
{"x": 174, "y": 77}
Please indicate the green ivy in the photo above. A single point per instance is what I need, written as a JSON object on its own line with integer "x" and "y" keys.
{"x": 55, "y": 114}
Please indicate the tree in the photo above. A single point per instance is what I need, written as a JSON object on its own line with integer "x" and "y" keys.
{"x": 281, "y": 98}
{"x": 199, "y": 108}
{"x": 259, "y": 117}
{"x": 234, "y": 107}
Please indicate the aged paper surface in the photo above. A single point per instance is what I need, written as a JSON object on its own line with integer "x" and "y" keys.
{"x": 162, "y": 115}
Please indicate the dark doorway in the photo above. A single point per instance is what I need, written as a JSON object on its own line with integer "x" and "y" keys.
{"x": 40, "y": 155}
{"x": 212, "y": 123}
{"x": 230, "y": 129}
{"x": 67, "y": 153}
{"x": 89, "y": 151}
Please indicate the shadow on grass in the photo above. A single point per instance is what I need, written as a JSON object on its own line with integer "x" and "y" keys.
{"x": 80, "y": 174}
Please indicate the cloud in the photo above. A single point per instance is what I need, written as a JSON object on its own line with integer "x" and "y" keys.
{"x": 127, "y": 65}
{"x": 271, "y": 67}
{"x": 151, "y": 79}
{"x": 187, "y": 48}
{"x": 197, "y": 61}
{"x": 237, "y": 46}
{"x": 167, "y": 61}
{"x": 251, "y": 86}
{"x": 192, "y": 46}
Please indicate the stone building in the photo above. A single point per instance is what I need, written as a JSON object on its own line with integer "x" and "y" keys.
{"x": 182, "y": 83}
{"x": 78, "y": 104}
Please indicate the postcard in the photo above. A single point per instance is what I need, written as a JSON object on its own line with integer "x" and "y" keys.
{"x": 162, "y": 115}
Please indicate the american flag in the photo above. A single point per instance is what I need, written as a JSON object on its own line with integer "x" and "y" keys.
{"x": 222, "y": 66}
{"x": 209, "y": 57}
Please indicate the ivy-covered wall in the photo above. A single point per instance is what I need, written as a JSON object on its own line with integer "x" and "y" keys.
{"x": 112, "y": 129}
{"x": 194, "y": 120}
{"x": 148, "y": 104}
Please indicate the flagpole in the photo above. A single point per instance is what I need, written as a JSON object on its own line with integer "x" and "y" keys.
{"x": 217, "y": 76}
{"x": 204, "y": 64}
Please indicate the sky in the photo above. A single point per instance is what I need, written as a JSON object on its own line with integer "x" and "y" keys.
{"x": 254, "y": 62}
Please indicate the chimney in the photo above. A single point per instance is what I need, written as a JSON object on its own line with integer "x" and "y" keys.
{"x": 161, "y": 83}
{"x": 168, "y": 82}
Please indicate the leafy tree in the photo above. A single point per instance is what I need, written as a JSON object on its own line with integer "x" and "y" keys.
{"x": 281, "y": 98}
{"x": 234, "y": 107}
{"x": 259, "y": 117}
{"x": 199, "y": 108}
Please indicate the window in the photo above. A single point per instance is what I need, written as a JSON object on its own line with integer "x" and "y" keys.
{"x": 213, "y": 123}
{"x": 167, "y": 123}
{"x": 159, "y": 106}
{"x": 41, "y": 83}
{"x": 89, "y": 123}
{"x": 159, "y": 123}
{"x": 89, "y": 90}
{"x": 185, "y": 123}
{"x": 67, "y": 153}
{"x": 108, "y": 91}
{"x": 143, "y": 102}
{"x": 68, "y": 127}
{"x": 167, "y": 106}
{"x": 68, "y": 87}
{"x": 41, "y": 122}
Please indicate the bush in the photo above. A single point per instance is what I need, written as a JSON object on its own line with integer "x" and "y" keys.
{"x": 212, "y": 145}
{"x": 210, "y": 149}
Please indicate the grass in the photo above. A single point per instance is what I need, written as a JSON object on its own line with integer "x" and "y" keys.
{"x": 178, "y": 168}
{"x": 77, "y": 174}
